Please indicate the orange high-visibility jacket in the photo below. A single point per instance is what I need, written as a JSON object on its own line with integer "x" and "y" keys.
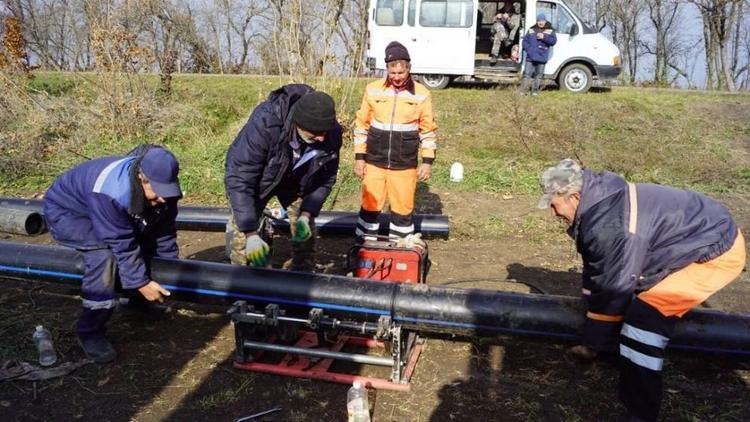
{"x": 393, "y": 126}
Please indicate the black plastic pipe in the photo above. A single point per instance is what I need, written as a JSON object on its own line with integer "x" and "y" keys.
{"x": 428, "y": 309}
{"x": 21, "y": 221}
{"x": 328, "y": 222}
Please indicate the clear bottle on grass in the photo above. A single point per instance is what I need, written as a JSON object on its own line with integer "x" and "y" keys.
{"x": 357, "y": 406}
{"x": 43, "y": 340}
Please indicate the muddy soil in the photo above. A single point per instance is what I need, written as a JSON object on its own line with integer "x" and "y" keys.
{"x": 178, "y": 367}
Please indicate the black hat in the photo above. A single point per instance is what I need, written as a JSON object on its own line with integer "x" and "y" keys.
{"x": 315, "y": 112}
{"x": 396, "y": 51}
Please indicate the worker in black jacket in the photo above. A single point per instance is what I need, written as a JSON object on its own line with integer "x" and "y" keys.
{"x": 650, "y": 254}
{"x": 289, "y": 148}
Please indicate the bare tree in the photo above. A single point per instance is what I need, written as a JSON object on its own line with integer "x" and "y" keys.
{"x": 625, "y": 23}
{"x": 720, "y": 34}
{"x": 594, "y": 12}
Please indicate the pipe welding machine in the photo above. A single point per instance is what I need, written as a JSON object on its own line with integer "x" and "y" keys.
{"x": 279, "y": 341}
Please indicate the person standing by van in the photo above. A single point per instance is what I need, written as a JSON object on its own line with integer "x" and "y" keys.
{"x": 536, "y": 44}
{"x": 394, "y": 126}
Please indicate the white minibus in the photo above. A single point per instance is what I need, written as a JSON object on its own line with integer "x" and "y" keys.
{"x": 452, "y": 40}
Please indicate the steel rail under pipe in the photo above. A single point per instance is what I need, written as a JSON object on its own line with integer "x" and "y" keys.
{"x": 423, "y": 308}
{"x": 215, "y": 219}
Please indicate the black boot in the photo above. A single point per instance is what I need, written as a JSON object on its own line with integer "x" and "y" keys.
{"x": 90, "y": 330}
{"x": 98, "y": 349}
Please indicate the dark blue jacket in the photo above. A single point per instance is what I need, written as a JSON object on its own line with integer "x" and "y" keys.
{"x": 673, "y": 228}
{"x": 87, "y": 207}
{"x": 537, "y": 50}
{"x": 261, "y": 157}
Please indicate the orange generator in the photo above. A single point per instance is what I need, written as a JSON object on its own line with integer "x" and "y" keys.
{"x": 385, "y": 260}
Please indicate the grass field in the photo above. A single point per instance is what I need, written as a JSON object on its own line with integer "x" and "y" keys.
{"x": 688, "y": 139}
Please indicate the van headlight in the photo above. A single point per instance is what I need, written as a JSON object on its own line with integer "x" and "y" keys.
{"x": 616, "y": 60}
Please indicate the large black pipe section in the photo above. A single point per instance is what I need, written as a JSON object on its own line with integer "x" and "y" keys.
{"x": 328, "y": 222}
{"x": 21, "y": 221}
{"x": 428, "y": 309}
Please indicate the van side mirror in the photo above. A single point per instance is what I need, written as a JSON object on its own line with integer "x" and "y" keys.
{"x": 573, "y": 29}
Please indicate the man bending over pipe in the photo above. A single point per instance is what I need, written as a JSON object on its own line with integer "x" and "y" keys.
{"x": 650, "y": 254}
{"x": 115, "y": 211}
{"x": 289, "y": 148}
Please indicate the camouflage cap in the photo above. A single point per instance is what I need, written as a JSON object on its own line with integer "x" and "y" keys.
{"x": 564, "y": 178}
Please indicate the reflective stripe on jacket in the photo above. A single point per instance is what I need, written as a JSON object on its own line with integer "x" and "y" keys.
{"x": 393, "y": 126}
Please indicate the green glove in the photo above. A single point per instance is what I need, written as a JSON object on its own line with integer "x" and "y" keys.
{"x": 302, "y": 230}
{"x": 257, "y": 251}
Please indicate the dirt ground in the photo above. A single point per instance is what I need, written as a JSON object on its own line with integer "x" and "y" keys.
{"x": 179, "y": 367}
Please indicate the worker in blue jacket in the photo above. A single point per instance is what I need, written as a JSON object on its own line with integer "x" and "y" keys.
{"x": 116, "y": 211}
{"x": 537, "y": 43}
{"x": 650, "y": 254}
{"x": 288, "y": 149}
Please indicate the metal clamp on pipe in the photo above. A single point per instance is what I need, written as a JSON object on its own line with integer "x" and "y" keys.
{"x": 309, "y": 345}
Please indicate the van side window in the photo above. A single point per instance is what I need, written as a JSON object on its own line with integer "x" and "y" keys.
{"x": 564, "y": 21}
{"x": 412, "y": 12}
{"x": 389, "y": 12}
{"x": 560, "y": 18}
{"x": 447, "y": 13}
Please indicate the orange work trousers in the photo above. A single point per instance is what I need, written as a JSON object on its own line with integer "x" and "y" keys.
{"x": 692, "y": 285}
{"x": 397, "y": 186}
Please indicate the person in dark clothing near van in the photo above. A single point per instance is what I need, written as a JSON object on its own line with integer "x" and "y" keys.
{"x": 116, "y": 211}
{"x": 536, "y": 44}
{"x": 650, "y": 254}
{"x": 289, "y": 148}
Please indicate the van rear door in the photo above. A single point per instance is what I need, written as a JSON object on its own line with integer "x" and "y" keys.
{"x": 444, "y": 40}
{"x": 388, "y": 22}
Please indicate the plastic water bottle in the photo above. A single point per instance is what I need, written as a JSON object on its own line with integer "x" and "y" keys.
{"x": 356, "y": 403}
{"x": 457, "y": 172}
{"x": 43, "y": 340}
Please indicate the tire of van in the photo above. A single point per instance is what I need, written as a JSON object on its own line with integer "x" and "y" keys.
{"x": 576, "y": 78}
{"x": 434, "y": 81}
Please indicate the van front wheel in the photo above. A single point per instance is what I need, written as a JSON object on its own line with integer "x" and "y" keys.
{"x": 435, "y": 81}
{"x": 575, "y": 77}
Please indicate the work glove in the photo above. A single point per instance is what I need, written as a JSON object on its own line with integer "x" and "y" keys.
{"x": 302, "y": 230}
{"x": 411, "y": 240}
{"x": 257, "y": 251}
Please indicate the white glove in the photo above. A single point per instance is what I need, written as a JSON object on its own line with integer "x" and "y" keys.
{"x": 257, "y": 251}
{"x": 410, "y": 241}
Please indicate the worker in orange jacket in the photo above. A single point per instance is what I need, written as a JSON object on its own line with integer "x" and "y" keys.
{"x": 394, "y": 126}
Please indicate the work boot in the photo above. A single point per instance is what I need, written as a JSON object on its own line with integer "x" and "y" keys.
{"x": 98, "y": 349}
{"x": 493, "y": 60}
{"x": 524, "y": 87}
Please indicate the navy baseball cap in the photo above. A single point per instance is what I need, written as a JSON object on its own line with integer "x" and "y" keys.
{"x": 161, "y": 168}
